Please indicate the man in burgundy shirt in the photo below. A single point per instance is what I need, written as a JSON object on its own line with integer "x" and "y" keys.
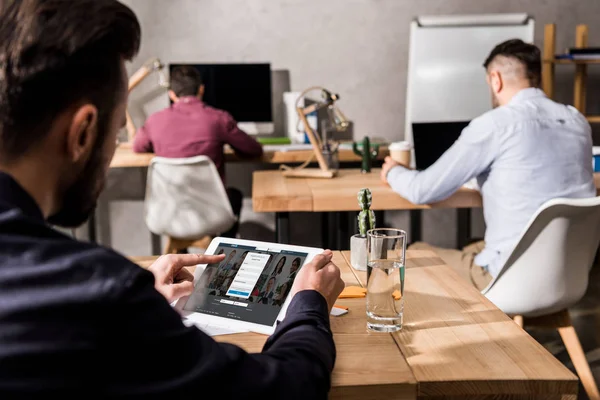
{"x": 191, "y": 128}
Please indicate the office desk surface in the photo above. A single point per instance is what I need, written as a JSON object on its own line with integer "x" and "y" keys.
{"x": 455, "y": 344}
{"x": 126, "y": 158}
{"x": 272, "y": 192}
{"x": 458, "y": 344}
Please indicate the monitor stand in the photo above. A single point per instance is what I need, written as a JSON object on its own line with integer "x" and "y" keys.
{"x": 257, "y": 128}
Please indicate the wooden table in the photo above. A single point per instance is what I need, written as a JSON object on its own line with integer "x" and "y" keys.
{"x": 272, "y": 192}
{"x": 126, "y": 158}
{"x": 455, "y": 344}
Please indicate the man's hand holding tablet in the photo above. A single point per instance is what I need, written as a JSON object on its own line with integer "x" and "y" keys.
{"x": 253, "y": 287}
{"x": 321, "y": 275}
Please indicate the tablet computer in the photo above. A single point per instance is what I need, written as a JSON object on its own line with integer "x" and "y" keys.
{"x": 249, "y": 289}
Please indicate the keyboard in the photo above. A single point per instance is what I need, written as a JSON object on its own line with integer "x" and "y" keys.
{"x": 287, "y": 147}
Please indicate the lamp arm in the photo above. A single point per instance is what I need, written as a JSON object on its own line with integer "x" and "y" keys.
{"x": 310, "y": 109}
{"x": 138, "y": 76}
{"x": 130, "y": 127}
{"x": 304, "y": 93}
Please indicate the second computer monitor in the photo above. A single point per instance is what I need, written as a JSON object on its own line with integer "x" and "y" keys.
{"x": 432, "y": 139}
{"x": 243, "y": 90}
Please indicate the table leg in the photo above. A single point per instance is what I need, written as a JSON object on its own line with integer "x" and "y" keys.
{"x": 463, "y": 229}
{"x": 330, "y": 223}
{"x": 343, "y": 234}
{"x": 155, "y": 243}
{"x": 326, "y": 236}
{"x": 416, "y": 232}
{"x": 353, "y": 223}
{"x": 282, "y": 227}
{"x": 334, "y": 226}
{"x": 380, "y": 219}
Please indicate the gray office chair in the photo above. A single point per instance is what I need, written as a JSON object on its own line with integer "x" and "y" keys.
{"x": 548, "y": 270}
{"x": 186, "y": 201}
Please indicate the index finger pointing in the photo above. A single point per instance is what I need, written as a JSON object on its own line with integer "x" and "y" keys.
{"x": 188, "y": 260}
{"x": 204, "y": 259}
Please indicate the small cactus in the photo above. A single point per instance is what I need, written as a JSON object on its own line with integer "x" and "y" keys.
{"x": 366, "y": 217}
{"x": 368, "y": 153}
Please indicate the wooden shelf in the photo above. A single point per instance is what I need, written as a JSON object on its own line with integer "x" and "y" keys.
{"x": 561, "y": 61}
{"x": 593, "y": 119}
{"x": 549, "y": 63}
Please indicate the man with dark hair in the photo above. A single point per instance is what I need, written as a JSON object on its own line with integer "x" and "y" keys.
{"x": 77, "y": 319}
{"x": 526, "y": 151}
{"x": 186, "y": 81}
{"x": 525, "y": 58}
{"x": 191, "y": 128}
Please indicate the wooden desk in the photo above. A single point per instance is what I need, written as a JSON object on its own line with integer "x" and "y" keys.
{"x": 272, "y": 192}
{"x": 459, "y": 345}
{"x": 126, "y": 158}
{"x": 455, "y": 344}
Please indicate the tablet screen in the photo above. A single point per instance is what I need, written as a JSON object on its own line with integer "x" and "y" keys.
{"x": 250, "y": 285}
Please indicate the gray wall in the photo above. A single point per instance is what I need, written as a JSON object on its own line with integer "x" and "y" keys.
{"x": 358, "y": 48}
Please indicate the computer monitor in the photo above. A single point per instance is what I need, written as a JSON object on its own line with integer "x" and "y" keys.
{"x": 432, "y": 139}
{"x": 243, "y": 90}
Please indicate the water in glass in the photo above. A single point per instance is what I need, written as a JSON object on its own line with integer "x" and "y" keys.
{"x": 385, "y": 289}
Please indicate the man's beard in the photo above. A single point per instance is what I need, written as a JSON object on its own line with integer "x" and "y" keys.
{"x": 79, "y": 201}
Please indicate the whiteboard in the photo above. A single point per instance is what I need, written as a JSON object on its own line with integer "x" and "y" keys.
{"x": 446, "y": 79}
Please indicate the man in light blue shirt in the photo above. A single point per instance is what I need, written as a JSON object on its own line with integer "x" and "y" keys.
{"x": 526, "y": 151}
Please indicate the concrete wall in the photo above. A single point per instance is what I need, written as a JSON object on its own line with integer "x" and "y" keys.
{"x": 358, "y": 48}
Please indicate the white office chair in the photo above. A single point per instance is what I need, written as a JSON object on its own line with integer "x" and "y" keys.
{"x": 548, "y": 270}
{"x": 186, "y": 201}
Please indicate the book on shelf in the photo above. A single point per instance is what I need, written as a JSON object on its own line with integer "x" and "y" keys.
{"x": 578, "y": 57}
{"x": 586, "y": 53}
{"x": 583, "y": 51}
{"x": 585, "y": 56}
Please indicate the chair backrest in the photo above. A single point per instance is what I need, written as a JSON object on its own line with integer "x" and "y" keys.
{"x": 548, "y": 269}
{"x": 185, "y": 198}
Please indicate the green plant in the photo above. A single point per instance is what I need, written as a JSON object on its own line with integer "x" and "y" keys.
{"x": 368, "y": 153}
{"x": 366, "y": 217}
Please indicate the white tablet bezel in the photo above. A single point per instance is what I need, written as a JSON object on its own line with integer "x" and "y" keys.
{"x": 200, "y": 318}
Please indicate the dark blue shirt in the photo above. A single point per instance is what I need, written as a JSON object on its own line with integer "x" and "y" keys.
{"x": 79, "y": 319}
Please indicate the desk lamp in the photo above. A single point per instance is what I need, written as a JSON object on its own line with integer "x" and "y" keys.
{"x": 338, "y": 121}
{"x": 153, "y": 64}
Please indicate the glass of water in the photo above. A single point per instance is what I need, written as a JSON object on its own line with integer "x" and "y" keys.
{"x": 386, "y": 252}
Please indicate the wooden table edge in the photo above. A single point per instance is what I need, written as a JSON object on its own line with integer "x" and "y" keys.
{"x": 442, "y": 388}
{"x": 390, "y": 391}
{"x": 272, "y": 157}
{"x": 521, "y": 387}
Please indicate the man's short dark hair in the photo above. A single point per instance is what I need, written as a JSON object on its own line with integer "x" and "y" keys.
{"x": 55, "y": 54}
{"x": 526, "y": 53}
{"x": 185, "y": 81}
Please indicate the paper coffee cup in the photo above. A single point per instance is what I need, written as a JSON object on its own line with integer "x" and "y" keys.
{"x": 400, "y": 152}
